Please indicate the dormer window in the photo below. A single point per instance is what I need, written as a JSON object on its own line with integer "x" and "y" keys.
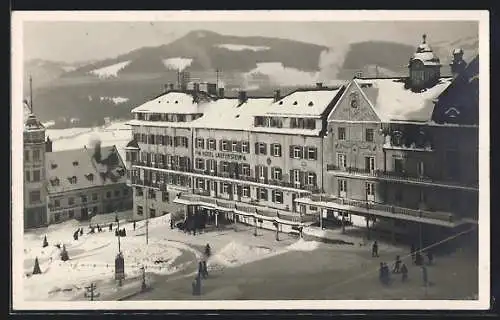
{"x": 54, "y": 182}
{"x": 53, "y": 165}
{"x": 452, "y": 112}
{"x": 90, "y": 177}
{"x": 72, "y": 179}
{"x": 280, "y": 103}
{"x": 295, "y": 103}
{"x": 354, "y": 100}
{"x": 310, "y": 104}
{"x": 75, "y": 163}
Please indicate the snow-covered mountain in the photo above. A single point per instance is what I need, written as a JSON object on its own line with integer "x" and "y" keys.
{"x": 111, "y": 87}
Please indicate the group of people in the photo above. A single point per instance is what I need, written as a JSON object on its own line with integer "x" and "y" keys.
{"x": 78, "y": 232}
{"x": 202, "y": 272}
{"x": 400, "y": 267}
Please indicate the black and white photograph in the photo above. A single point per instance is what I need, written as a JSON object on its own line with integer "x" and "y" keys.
{"x": 250, "y": 159}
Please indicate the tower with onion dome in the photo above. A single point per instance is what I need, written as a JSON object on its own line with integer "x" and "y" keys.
{"x": 34, "y": 177}
{"x": 424, "y": 67}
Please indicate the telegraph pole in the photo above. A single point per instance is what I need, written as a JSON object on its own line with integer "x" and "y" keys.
{"x": 91, "y": 292}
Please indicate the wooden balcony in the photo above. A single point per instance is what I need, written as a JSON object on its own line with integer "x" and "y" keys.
{"x": 402, "y": 177}
{"x": 243, "y": 208}
{"x": 376, "y": 209}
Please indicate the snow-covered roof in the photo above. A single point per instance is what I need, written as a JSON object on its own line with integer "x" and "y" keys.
{"x": 171, "y": 102}
{"x": 392, "y": 101}
{"x": 80, "y": 163}
{"x": 304, "y": 103}
{"x": 229, "y": 114}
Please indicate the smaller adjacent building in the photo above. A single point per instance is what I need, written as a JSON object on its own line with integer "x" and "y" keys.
{"x": 85, "y": 182}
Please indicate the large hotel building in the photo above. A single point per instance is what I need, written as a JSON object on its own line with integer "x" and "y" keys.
{"x": 400, "y": 152}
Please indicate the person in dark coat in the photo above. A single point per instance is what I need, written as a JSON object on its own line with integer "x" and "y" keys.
{"x": 117, "y": 233}
{"x": 81, "y": 231}
{"x": 397, "y": 265}
{"x": 412, "y": 252}
{"x": 404, "y": 272}
{"x": 124, "y": 232}
{"x": 200, "y": 269}
{"x": 171, "y": 223}
{"x": 111, "y": 227}
{"x": 430, "y": 257}
{"x": 386, "y": 274}
{"x": 375, "y": 249}
{"x": 418, "y": 258}
{"x": 205, "y": 269}
{"x": 134, "y": 225}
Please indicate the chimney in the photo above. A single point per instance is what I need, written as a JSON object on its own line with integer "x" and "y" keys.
{"x": 277, "y": 95}
{"x": 97, "y": 151}
{"x": 221, "y": 92}
{"x": 48, "y": 145}
{"x": 165, "y": 88}
{"x": 171, "y": 86}
{"x": 196, "y": 87}
{"x": 242, "y": 97}
{"x": 319, "y": 85}
{"x": 458, "y": 64}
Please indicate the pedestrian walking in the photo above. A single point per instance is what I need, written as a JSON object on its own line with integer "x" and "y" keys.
{"x": 375, "y": 249}
{"x": 424, "y": 276}
{"x": 430, "y": 257}
{"x": 134, "y": 225}
{"x": 205, "y": 269}
{"x": 200, "y": 269}
{"x": 171, "y": 223}
{"x": 81, "y": 231}
{"x": 404, "y": 272}
{"x": 397, "y": 265}
{"x": 418, "y": 258}
{"x": 386, "y": 274}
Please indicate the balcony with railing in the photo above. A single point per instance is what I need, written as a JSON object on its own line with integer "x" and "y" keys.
{"x": 399, "y": 177}
{"x": 377, "y": 209}
{"x": 246, "y": 208}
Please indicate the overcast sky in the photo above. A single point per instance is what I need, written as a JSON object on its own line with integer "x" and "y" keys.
{"x": 81, "y": 41}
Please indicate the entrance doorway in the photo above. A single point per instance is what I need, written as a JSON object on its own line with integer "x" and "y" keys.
{"x": 84, "y": 214}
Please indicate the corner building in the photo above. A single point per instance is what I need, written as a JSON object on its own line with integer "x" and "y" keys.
{"x": 195, "y": 152}
{"x": 402, "y": 153}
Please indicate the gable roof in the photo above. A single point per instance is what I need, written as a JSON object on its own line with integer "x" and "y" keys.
{"x": 393, "y": 102}
{"x": 81, "y": 164}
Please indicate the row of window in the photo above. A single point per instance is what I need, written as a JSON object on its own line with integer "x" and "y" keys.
{"x": 152, "y": 212}
{"x": 35, "y": 155}
{"x": 243, "y": 191}
{"x": 167, "y": 117}
{"x": 398, "y": 164}
{"x": 164, "y": 140}
{"x": 368, "y": 137}
{"x": 166, "y": 159}
{"x": 71, "y": 200}
{"x": 152, "y": 194}
{"x": 32, "y": 176}
{"x": 370, "y": 191}
{"x": 277, "y": 122}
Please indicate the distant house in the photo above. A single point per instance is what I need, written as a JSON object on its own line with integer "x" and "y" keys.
{"x": 85, "y": 182}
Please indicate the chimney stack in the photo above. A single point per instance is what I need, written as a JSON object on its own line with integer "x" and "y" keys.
{"x": 165, "y": 88}
{"x": 319, "y": 85}
{"x": 458, "y": 64}
{"x": 242, "y": 97}
{"x": 277, "y": 95}
{"x": 48, "y": 145}
{"x": 221, "y": 92}
{"x": 171, "y": 86}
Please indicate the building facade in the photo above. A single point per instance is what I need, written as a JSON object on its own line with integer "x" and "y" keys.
{"x": 86, "y": 182}
{"x": 400, "y": 152}
{"x": 262, "y": 153}
{"x": 395, "y": 158}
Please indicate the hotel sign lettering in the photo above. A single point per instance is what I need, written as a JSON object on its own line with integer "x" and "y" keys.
{"x": 221, "y": 155}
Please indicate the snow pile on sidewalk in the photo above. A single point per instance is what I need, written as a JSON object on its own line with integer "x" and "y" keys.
{"x": 235, "y": 254}
{"x": 303, "y": 245}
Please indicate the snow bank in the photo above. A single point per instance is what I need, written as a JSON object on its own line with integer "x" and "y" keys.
{"x": 235, "y": 253}
{"x": 302, "y": 245}
{"x": 177, "y": 63}
{"x": 281, "y": 75}
{"x": 110, "y": 71}
{"x": 115, "y": 100}
{"x": 242, "y": 47}
{"x": 49, "y": 124}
